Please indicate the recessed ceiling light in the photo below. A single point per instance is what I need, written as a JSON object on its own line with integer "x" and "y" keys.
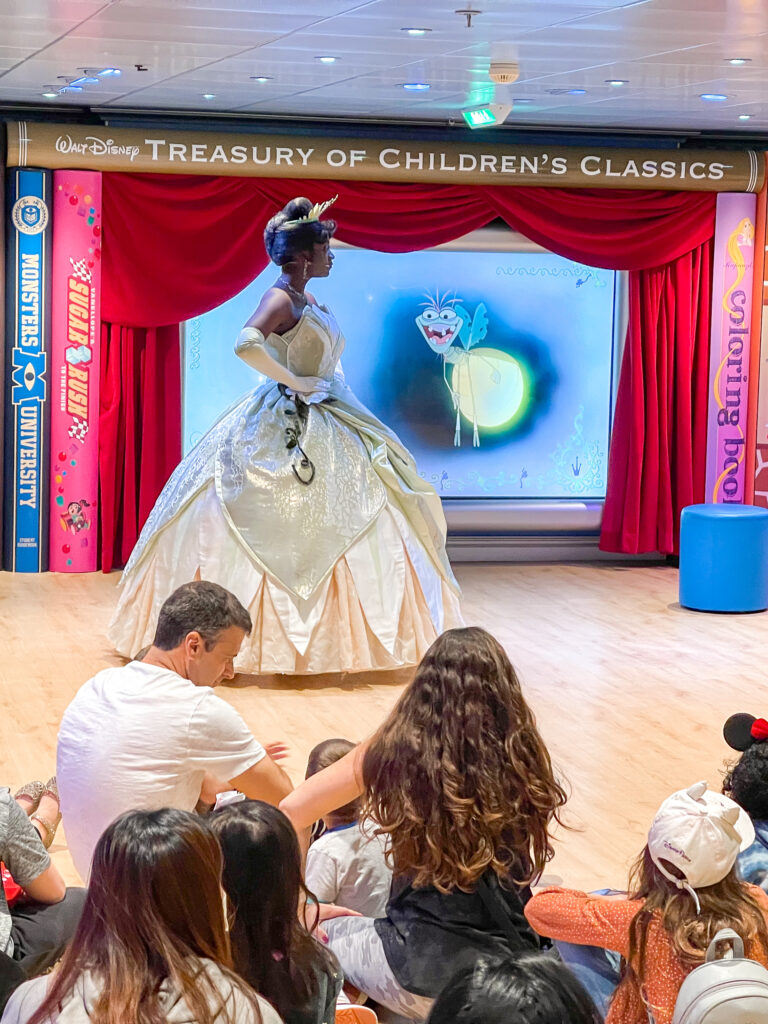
{"x": 209, "y": 96}
{"x": 106, "y": 72}
{"x": 327, "y": 60}
{"x": 742, "y": 117}
{"x": 517, "y": 100}
{"x": 416, "y": 31}
{"x": 50, "y": 92}
{"x": 576, "y": 92}
{"x": 713, "y": 97}
{"x": 260, "y": 78}
{"x": 416, "y": 86}
{"x": 738, "y": 61}
{"x": 616, "y": 82}
{"x": 71, "y": 88}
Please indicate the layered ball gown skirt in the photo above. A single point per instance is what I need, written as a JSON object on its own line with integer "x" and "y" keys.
{"x": 336, "y": 546}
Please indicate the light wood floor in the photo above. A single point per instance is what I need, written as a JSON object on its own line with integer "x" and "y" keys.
{"x": 630, "y": 691}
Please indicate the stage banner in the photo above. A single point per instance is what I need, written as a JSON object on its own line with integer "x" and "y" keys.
{"x": 730, "y": 347}
{"x": 75, "y": 307}
{"x": 761, "y": 424}
{"x": 27, "y": 337}
{"x": 487, "y": 161}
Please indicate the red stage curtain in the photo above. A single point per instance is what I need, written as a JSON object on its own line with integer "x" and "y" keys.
{"x": 176, "y": 246}
{"x": 139, "y": 429}
{"x": 658, "y": 447}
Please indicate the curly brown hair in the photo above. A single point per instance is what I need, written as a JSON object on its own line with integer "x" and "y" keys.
{"x": 458, "y": 775}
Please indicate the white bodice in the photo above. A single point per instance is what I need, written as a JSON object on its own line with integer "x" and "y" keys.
{"x": 313, "y": 347}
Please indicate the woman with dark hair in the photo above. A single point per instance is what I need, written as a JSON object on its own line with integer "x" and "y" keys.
{"x": 460, "y": 781}
{"x": 152, "y": 944}
{"x": 272, "y": 950}
{"x": 299, "y": 500}
{"x": 530, "y": 989}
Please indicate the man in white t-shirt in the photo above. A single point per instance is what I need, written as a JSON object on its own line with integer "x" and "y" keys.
{"x": 154, "y": 734}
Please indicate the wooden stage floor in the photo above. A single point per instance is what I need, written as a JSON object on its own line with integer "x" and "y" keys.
{"x": 630, "y": 690}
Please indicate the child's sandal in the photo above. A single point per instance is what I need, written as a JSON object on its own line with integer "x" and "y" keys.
{"x": 50, "y": 789}
{"x": 33, "y": 791}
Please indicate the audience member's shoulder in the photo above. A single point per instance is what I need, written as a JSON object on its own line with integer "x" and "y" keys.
{"x": 27, "y": 998}
{"x": 235, "y": 999}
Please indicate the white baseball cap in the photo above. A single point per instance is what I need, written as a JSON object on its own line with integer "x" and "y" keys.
{"x": 701, "y": 833}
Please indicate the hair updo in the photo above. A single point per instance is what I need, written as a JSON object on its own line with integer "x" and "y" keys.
{"x": 283, "y": 242}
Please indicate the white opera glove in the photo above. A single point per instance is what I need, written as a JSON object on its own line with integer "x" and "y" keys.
{"x": 250, "y": 348}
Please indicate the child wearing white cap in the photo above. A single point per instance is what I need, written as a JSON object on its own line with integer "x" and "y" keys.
{"x": 683, "y": 888}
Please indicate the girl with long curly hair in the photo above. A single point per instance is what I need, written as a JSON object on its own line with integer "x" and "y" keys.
{"x": 683, "y": 888}
{"x": 152, "y": 945}
{"x": 460, "y": 781}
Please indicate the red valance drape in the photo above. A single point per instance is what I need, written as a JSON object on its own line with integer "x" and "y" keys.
{"x": 176, "y": 246}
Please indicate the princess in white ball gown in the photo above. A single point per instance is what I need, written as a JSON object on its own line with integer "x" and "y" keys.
{"x": 299, "y": 501}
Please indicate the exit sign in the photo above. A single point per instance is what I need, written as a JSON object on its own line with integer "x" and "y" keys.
{"x": 479, "y": 118}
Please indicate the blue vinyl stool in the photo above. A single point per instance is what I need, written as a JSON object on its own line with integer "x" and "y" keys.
{"x": 724, "y": 558}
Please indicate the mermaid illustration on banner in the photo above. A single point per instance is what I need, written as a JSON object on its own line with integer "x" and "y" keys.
{"x": 299, "y": 500}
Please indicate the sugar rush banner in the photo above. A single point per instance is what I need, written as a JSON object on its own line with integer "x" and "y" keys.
{"x": 27, "y": 283}
{"x": 74, "y": 374}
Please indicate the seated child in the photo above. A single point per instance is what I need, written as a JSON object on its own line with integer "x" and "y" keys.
{"x": 746, "y": 782}
{"x": 684, "y": 888}
{"x": 346, "y": 864}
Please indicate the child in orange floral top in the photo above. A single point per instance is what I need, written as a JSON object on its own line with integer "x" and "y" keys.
{"x": 683, "y": 889}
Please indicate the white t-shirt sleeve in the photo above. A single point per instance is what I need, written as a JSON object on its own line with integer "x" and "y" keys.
{"x": 219, "y": 740}
{"x": 321, "y": 875}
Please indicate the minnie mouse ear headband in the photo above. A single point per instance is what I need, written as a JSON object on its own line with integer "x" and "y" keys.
{"x": 742, "y": 730}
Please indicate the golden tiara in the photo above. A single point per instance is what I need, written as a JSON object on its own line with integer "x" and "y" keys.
{"x": 314, "y": 214}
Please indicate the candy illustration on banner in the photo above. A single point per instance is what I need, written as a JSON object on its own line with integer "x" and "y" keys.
{"x": 78, "y": 354}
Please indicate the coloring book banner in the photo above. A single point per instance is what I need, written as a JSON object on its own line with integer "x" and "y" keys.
{"x": 75, "y": 370}
{"x": 729, "y": 346}
{"x": 486, "y": 162}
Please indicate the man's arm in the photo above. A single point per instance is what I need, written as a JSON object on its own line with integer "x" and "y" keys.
{"x": 265, "y": 781}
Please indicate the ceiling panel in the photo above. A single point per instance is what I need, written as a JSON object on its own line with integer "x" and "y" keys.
{"x": 669, "y": 52}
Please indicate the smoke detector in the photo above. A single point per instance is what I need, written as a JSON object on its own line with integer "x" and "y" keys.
{"x": 502, "y": 72}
